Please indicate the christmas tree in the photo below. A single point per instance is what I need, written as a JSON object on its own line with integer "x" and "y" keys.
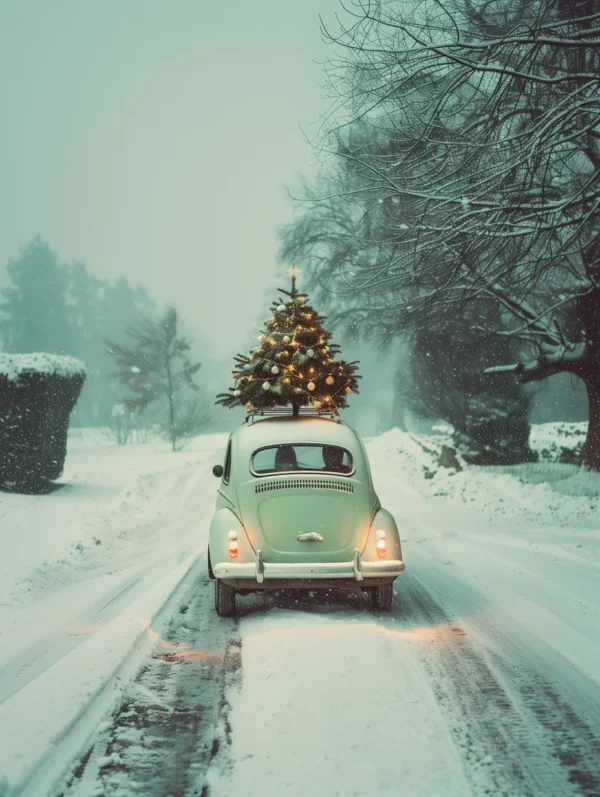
{"x": 295, "y": 363}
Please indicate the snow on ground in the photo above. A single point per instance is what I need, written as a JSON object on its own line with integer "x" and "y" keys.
{"x": 525, "y": 537}
{"x": 82, "y": 572}
{"x": 335, "y": 705}
{"x": 500, "y": 600}
{"x": 502, "y": 565}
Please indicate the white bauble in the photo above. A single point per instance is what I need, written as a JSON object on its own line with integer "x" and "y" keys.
{"x": 310, "y": 353}
{"x": 286, "y": 338}
{"x": 275, "y": 370}
{"x": 236, "y": 392}
{"x": 311, "y": 386}
{"x": 281, "y": 308}
{"x": 247, "y": 367}
{"x": 266, "y": 386}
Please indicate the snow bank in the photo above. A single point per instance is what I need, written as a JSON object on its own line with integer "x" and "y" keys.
{"x": 521, "y": 540}
{"x": 84, "y": 572}
{"x": 42, "y": 714}
{"x": 542, "y": 492}
{"x": 13, "y": 365}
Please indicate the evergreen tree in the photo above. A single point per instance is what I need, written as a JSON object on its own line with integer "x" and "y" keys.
{"x": 156, "y": 370}
{"x": 294, "y": 364}
{"x": 35, "y": 311}
{"x": 489, "y": 413}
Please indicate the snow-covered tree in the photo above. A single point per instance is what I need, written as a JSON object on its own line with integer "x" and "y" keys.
{"x": 295, "y": 363}
{"x": 480, "y": 179}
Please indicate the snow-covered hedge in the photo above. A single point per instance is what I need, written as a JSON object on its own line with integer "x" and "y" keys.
{"x": 37, "y": 394}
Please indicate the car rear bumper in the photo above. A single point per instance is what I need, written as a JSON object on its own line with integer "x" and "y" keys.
{"x": 356, "y": 570}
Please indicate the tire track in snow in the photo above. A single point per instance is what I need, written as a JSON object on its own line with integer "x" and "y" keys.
{"x": 173, "y": 719}
{"x": 518, "y": 735}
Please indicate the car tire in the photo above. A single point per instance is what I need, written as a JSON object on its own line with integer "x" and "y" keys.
{"x": 224, "y": 599}
{"x": 381, "y": 597}
{"x": 211, "y": 575}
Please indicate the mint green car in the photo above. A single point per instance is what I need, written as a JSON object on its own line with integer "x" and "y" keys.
{"x": 296, "y": 508}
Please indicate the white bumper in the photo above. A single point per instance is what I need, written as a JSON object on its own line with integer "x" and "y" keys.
{"x": 355, "y": 570}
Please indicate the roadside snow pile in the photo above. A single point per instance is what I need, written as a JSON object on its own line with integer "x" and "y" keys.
{"x": 84, "y": 572}
{"x": 558, "y": 442}
{"x": 541, "y": 492}
{"x": 13, "y": 365}
{"x": 121, "y": 508}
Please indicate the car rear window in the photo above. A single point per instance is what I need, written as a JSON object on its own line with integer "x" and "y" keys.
{"x": 293, "y": 458}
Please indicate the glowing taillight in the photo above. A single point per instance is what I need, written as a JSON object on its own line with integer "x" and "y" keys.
{"x": 233, "y": 544}
{"x": 381, "y": 544}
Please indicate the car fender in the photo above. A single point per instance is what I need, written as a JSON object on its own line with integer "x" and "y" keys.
{"x": 224, "y": 522}
{"x": 383, "y": 521}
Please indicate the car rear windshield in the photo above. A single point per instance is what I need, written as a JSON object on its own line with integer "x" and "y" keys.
{"x": 292, "y": 457}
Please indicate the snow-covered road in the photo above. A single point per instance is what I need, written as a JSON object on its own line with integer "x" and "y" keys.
{"x": 483, "y": 679}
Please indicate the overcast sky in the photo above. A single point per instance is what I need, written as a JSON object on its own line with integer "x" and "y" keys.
{"x": 154, "y": 139}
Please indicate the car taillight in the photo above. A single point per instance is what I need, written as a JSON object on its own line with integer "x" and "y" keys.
{"x": 381, "y": 544}
{"x": 233, "y": 544}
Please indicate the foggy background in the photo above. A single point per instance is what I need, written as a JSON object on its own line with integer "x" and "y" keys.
{"x": 156, "y": 141}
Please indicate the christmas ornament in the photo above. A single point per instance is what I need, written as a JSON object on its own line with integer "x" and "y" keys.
{"x": 287, "y": 368}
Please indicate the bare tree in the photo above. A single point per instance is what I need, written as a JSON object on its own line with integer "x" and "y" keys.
{"x": 486, "y": 187}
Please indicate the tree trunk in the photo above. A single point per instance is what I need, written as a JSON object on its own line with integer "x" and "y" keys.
{"x": 295, "y": 409}
{"x": 171, "y": 407}
{"x": 591, "y": 449}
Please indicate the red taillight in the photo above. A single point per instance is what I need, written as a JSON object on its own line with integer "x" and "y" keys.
{"x": 381, "y": 546}
{"x": 233, "y": 544}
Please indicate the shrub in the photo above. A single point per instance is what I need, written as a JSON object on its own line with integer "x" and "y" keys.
{"x": 37, "y": 394}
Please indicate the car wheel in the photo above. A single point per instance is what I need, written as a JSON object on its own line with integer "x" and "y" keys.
{"x": 211, "y": 575}
{"x": 224, "y": 599}
{"x": 381, "y": 597}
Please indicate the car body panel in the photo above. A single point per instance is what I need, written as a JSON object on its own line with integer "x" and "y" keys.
{"x": 306, "y": 526}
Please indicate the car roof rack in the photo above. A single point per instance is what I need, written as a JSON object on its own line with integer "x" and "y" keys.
{"x": 260, "y": 413}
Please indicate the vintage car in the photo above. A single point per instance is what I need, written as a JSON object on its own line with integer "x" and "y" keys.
{"x": 296, "y": 508}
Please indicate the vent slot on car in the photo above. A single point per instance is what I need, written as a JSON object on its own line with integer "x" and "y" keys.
{"x": 319, "y": 484}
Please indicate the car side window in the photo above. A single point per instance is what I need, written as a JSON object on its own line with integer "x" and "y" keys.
{"x": 227, "y": 469}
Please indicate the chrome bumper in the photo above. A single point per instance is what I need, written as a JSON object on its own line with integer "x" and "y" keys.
{"x": 356, "y": 569}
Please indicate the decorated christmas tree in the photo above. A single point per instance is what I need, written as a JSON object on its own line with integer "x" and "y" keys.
{"x": 295, "y": 364}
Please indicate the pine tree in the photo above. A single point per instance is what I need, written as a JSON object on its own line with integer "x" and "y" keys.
{"x": 35, "y": 312}
{"x": 295, "y": 363}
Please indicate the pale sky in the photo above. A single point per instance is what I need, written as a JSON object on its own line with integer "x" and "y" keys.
{"x": 154, "y": 138}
